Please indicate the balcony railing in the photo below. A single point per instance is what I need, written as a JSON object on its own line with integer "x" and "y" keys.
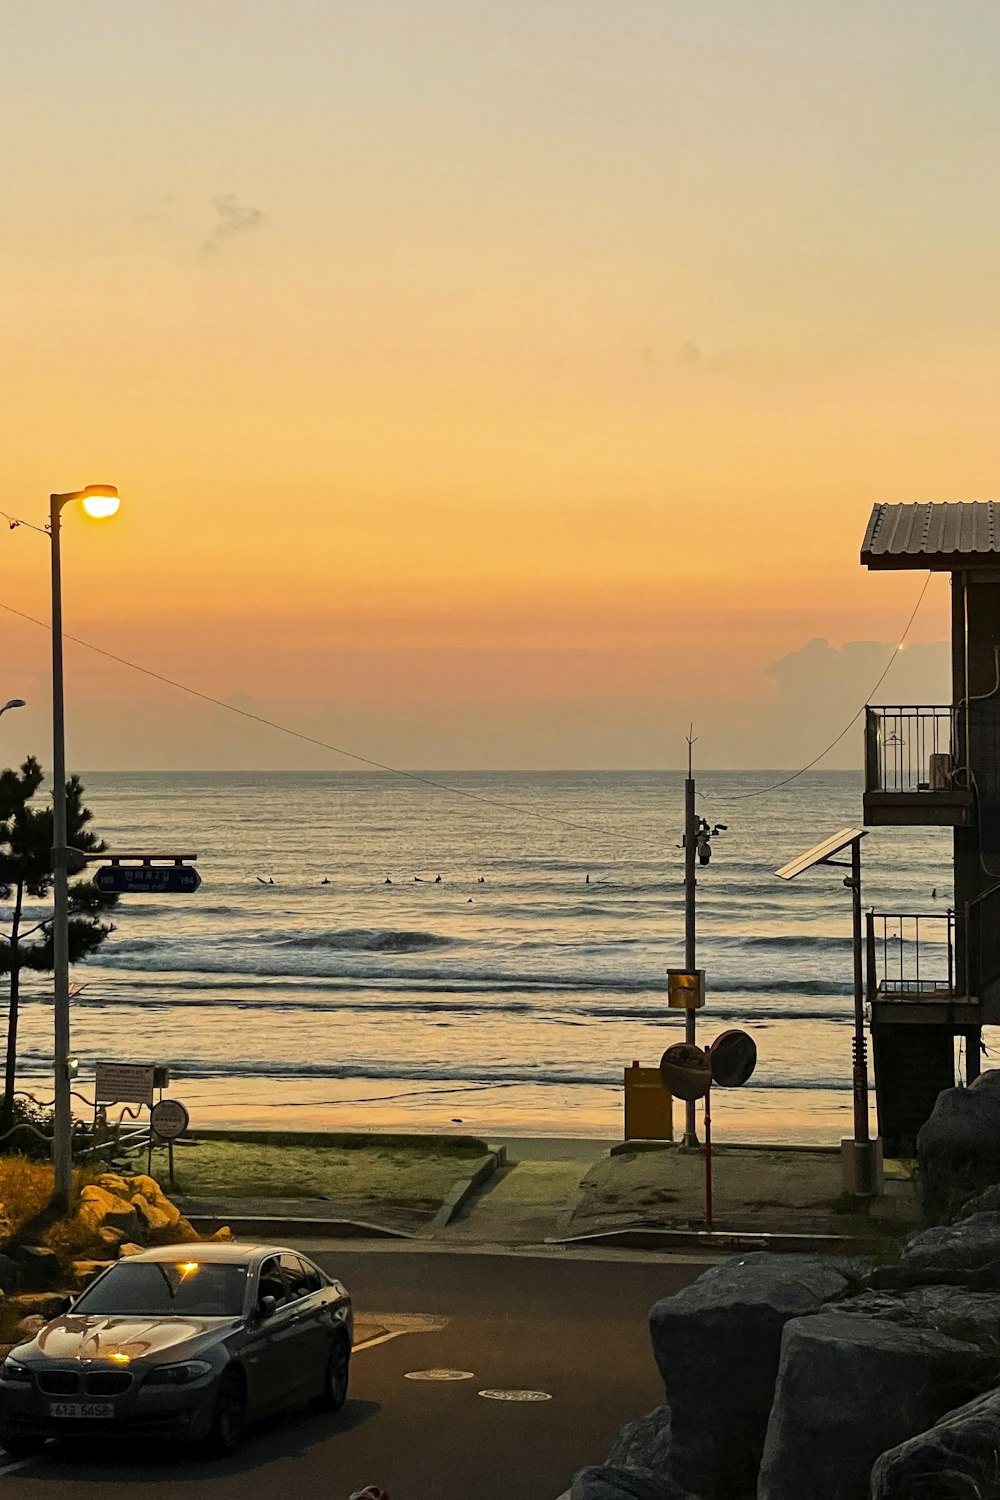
{"x": 911, "y": 956}
{"x": 911, "y": 764}
{"x": 908, "y": 749}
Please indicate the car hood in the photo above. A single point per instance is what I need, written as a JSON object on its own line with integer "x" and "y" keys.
{"x": 79, "y": 1337}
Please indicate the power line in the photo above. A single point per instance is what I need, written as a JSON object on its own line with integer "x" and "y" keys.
{"x": 309, "y": 739}
{"x": 764, "y": 790}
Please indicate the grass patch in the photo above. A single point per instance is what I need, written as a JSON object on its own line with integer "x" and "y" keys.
{"x": 389, "y": 1169}
{"x": 25, "y": 1188}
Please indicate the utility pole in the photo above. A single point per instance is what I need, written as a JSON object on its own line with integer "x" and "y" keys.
{"x": 690, "y": 886}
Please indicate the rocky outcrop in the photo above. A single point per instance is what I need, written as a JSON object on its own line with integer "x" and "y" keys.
{"x": 958, "y": 1456}
{"x": 37, "y": 1267}
{"x": 611, "y": 1482}
{"x": 963, "y": 1254}
{"x": 644, "y": 1444}
{"x": 717, "y": 1345}
{"x": 849, "y": 1387}
{"x": 958, "y": 1148}
{"x": 971, "y": 1317}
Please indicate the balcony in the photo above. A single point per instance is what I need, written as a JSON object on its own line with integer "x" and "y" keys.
{"x": 910, "y": 775}
{"x": 911, "y": 970}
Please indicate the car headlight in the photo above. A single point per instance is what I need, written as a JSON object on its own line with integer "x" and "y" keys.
{"x": 182, "y": 1374}
{"x": 12, "y": 1370}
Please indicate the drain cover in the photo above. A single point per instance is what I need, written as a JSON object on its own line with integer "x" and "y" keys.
{"x": 516, "y": 1395}
{"x": 440, "y": 1375}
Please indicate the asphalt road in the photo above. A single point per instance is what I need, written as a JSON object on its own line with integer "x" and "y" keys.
{"x": 572, "y": 1328}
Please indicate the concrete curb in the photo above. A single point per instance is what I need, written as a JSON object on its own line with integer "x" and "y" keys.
{"x": 343, "y": 1229}
{"x": 650, "y": 1238}
{"x": 463, "y": 1191}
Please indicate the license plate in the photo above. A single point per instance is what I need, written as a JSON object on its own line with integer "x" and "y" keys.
{"x": 81, "y": 1409}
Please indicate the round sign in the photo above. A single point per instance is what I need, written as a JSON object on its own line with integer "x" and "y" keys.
{"x": 169, "y": 1119}
{"x": 686, "y": 1071}
{"x": 733, "y": 1057}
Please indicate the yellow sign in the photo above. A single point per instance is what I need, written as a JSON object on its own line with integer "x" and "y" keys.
{"x": 648, "y": 1105}
{"x": 685, "y": 989}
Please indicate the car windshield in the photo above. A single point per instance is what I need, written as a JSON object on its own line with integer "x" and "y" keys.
{"x": 167, "y": 1289}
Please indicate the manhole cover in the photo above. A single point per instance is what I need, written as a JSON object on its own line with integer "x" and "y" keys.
{"x": 516, "y": 1395}
{"x": 440, "y": 1375}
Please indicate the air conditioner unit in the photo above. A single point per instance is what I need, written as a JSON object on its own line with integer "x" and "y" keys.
{"x": 941, "y": 769}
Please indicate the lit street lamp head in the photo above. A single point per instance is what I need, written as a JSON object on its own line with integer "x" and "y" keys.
{"x": 100, "y": 501}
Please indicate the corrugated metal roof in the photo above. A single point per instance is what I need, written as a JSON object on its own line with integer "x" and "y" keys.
{"x": 945, "y": 537}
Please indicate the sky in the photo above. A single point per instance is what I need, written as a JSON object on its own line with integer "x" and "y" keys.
{"x": 489, "y": 385}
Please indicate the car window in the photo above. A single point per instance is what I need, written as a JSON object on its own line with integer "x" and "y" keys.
{"x": 272, "y": 1283}
{"x": 314, "y": 1281}
{"x": 167, "y": 1289}
{"x": 299, "y": 1281}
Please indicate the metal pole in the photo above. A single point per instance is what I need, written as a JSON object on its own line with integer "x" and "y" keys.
{"x": 860, "y": 1048}
{"x": 690, "y": 885}
{"x": 708, "y": 1157}
{"x": 62, "y": 1151}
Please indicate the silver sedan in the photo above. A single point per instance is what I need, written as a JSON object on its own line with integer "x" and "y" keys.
{"x": 186, "y": 1342}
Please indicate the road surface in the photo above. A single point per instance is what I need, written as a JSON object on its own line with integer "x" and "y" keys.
{"x": 571, "y": 1328}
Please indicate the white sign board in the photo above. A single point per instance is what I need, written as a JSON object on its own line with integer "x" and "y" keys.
{"x": 124, "y": 1083}
{"x": 169, "y": 1119}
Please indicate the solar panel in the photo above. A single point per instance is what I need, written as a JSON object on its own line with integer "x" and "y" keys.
{"x": 820, "y": 852}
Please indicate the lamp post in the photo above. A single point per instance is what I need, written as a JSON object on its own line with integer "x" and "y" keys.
{"x": 13, "y": 703}
{"x": 99, "y": 501}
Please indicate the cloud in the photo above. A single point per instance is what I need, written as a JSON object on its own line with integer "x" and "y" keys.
{"x": 689, "y": 354}
{"x": 233, "y": 218}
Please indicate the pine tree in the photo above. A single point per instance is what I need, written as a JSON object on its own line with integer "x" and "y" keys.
{"x": 26, "y": 876}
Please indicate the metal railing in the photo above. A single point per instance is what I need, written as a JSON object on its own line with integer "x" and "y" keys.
{"x": 909, "y": 749}
{"x": 910, "y": 954}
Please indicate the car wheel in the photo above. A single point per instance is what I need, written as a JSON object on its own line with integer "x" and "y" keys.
{"x": 335, "y": 1381}
{"x": 19, "y": 1445}
{"x": 228, "y": 1417}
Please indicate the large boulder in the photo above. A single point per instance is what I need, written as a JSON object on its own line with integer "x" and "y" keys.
{"x": 612, "y": 1482}
{"x": 150, "y": 1217}
{"x": 971, "y": 1317}
{"x": 717, "y": 1344}
{"x": 958, "y": 1148}
{"x": 45, "y": 1305}
{"x": 83, "y": 1272}
{"x": 37, "y": 1268}
{"x": 9, "y": 1271}
{"x": 101, "y": 1209}
{"x": 963, "y": 1254}
{"x": 958, "y": 1457}
{"x": 644, "y": 1444}
{"x": 851, "y": 1387}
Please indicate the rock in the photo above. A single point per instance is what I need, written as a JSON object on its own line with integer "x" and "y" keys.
{"x": 9, "y": 1271}
{"x": 963, "y": 1254}
{"x": 114, "y": 1184}
{"x": 85, "y": 1271}
{"x": 28, "y": 1327}
{"x": 611, "y": 1482}
{"x": 958, "y": 1148}
{"x": 717, "y": 1344}
{"x": 222, "y": 1235}
{"x": 109, "y": 1237}
{"x": 644, "y": 1444}
{"x": 124, "y": 1251}
{"x": 45, "y": 1305}
{"x": 971, "y": 1317}
{"x": 151, "y": 1217}
{"x": 99, "y": 1208}
{"x": 958, "y": 1456}
{"x": 185, "y": 1232}
{"x": 37, "y": 1267}
{"x": 986, "y": 1202}
{"x": 848, "y": 1389}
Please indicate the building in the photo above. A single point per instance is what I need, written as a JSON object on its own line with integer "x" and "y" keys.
{"x": 934, "y": 977}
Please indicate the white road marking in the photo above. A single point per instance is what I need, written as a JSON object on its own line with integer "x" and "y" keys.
{"x": 18, "y": 1463}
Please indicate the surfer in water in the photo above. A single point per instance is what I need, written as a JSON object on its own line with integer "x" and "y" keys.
{"x": 268, "y": 881}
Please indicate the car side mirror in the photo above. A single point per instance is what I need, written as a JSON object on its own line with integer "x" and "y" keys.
{"x": 266, "y": 1306}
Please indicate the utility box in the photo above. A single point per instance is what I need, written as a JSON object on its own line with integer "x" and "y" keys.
{"x": 649, "y": 1105}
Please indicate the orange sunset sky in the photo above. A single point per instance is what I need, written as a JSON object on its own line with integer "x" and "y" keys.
{"x": 490, "y": 384}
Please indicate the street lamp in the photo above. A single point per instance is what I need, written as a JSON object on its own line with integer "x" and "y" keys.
{"x": 99, "y": 501}
{"x": 13, "y": 703}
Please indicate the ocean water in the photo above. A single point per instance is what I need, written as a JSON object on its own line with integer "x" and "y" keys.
{"x": 505, "y": 999}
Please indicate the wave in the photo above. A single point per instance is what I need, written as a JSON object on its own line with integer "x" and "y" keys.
{"x": 357, "y": 940}
{"x": 500, "y": 1074}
